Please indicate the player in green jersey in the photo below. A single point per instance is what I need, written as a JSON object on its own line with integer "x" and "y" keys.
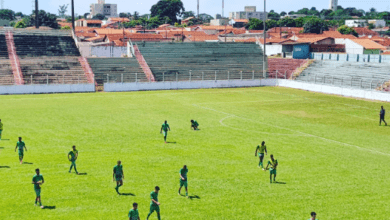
{"x": 261, "y": 149}
{"x": 21, "y": 146}
{"x": 38, "y": 180}
{"x": 154, "y": 204}
{"x": 194, "y": 125}
{"x": 313, "y": 216}
{"x": 165, "y": 128}
{"x": 183, "y": 179}
{"x": 1, "y": 128}
{"x": 133, "y": 213}
{"x": 273, "y": 163}
{"x": 72, "y": 157}
{"x": 118, "y": 176}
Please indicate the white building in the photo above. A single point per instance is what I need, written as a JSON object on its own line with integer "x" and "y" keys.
{"x": 363, "y": 23}
{"x": 294, "y": 16}
{"x": 108, "y": 10}
{"x": 250, "y": 12}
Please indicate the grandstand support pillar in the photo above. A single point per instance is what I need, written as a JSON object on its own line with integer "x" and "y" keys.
{"x": 332, "y": 80}
{"x": 177, "y": 77}
{"x": 315, "y": 79}
{"x": 122, "y": 78}
{"x": 31, "y": 79}
{"x": 351, "y": 81}
{"x": 371, "y": 85}
{"x": 228, "y": 75}
{"x": 136, "y": 77}
{"x": 215, "y": 75}
{"x": 361, "y": 83}
{"x": 63, "y": 79}
{"x": 241, "y": 75}
{"x": 47, "y": 79}
{"x": 78, "y": 79}
{"x": 202, "y": 76}
{"x": 253, "y": 75}
{"x": 163, "y": 76}
{"x": 190, "y": 75}
{"x": 108, "y": 78}
{"x": 277, "y": 74}
{"x": 285, "y": 74}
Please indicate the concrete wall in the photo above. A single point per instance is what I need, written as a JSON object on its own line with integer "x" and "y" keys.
{"x": 55, "y": 88}
{"x": 272, "y": 49}
{"x": 348, "y": 92}
{"x": 353, "y": 48}
{"x": 122, "y": 87}
{"x": 372, "y": 58}
{"x": 109, "y": 51}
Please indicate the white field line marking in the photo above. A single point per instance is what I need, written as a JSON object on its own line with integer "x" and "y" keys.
{"x": 310, "y": 135}
{"x": 240, "y": 129}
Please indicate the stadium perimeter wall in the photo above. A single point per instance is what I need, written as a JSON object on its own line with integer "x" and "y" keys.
{"x": 37, "y": 89}
{"x": 206, "y": 84}
{"x": 347, "y": 92}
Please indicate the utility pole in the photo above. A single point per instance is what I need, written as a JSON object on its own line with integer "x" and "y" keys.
{"x": 198, "y": 9}
{"x": 264, "y": 34}
{"x": 223, "y": 7}
{"x": 36, "y": 15}
{"x": 74, "y": 28}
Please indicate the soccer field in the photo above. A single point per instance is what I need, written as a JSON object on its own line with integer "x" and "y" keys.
{"x": 333, "y": 157}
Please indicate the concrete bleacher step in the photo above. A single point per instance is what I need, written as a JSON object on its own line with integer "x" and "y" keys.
{"x": 115, "y": 68}
{"x": 181, "y": 58}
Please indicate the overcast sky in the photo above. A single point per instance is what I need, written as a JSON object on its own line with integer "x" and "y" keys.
{"x": 211, "y": 7}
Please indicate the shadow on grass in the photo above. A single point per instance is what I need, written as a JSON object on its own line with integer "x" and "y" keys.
{"x": 82, "y": 174}
{"x": 27, "y": 163}
{"x": 49, "y": 207}
{"x": 194, "y": 197}
{"x": 169, "y": 142}
{"x": 5, "y": 167}
{"x": 127, "y": 194}
{"x": 279, "y": 182}
{"x": 5, "y": 139}
{"x": 1, "y": 147}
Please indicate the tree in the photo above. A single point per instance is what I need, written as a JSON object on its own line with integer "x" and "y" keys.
{"x": 283, "y": 13}
{"x": 347, "y": 30}
{"x": 19, "y": 14}
{"x": 255, "y": 24}
{"x": 124, "y": 15}
{"x": 86, "y": 15}
{"x": 205, "y": 18}
{"x": 270, "y": 24}
{"x": 62, "y": 10}
{"x": 7, "y": 14}
{"x": 99, "y": 17}
{"x": 20, "y": 24}
{"x": 65, "y": 28}
{"x": 286, "y": 22}
{"x": 45, "y": 19}
{"x": 188, "y": 14}
{"x": 315, "y": 25}
{"x": 273, "y": 15}
{"x": 291, "y": 13}
{"x": 304, "y": 11}
{"x": 169, "y": 8}
{"x": 136, "y": 15}
{"x": 371, "y": 26}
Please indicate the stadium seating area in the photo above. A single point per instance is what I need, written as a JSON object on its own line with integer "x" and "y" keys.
{"x": 3, "y": 48}
{"x": 347, "y": 74}
{"x": 283, "y": 68}
{"x": 6, "y": 76}
{"x": 114, "y": 68}
{"x": 52, "y": 70}
{"x": 169, "y": 61}
{"x": 42, "y": 45}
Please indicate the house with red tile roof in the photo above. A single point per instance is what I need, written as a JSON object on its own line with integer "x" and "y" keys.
{"x": 362, "y": 31}
{"x": 363, "y": 46}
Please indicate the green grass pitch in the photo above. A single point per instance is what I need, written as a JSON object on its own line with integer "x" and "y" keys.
{"x": 333, "y": 157}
